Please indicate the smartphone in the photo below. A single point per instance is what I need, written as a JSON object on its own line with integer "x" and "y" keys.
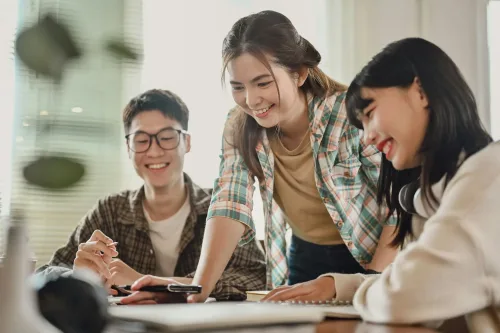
{"x": 184, "y": 288}
{"x": 169, "y": 288}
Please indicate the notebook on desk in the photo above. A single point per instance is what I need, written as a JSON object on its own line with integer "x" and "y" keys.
{"x": 330, "y": 309}
{"x": 256, "y": 295}
{"x": 213, "y": 316}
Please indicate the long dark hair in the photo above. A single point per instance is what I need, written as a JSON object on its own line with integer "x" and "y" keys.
{"x": 454, "y": 123}
{"x": 271, "y": 33}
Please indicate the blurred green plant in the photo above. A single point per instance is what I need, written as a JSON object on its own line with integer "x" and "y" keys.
{"x": 46, "y": 48}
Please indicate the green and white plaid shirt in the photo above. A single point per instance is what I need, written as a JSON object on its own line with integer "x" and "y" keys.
{"x": 346, "y": 173}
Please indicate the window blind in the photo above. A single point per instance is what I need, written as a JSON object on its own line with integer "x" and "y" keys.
{"x": 81, "y": 117}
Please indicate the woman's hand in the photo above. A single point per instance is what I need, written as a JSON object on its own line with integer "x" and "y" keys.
{"x": 321, "y": 289}
{"x": 145, "y": 297}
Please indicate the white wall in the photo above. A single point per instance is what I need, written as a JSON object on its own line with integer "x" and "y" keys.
{"x": 457, "y": 26}
{"x": 494, "y": 48}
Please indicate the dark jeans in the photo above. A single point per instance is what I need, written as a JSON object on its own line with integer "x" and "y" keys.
{"x": 307, "y": 261}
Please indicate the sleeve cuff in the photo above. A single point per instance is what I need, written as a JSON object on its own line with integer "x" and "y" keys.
{"x": 346, "y": 285}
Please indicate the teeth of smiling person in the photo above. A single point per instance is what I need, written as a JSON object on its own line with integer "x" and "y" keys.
{"x": 262, "y": 110}
{"x": 157, "y": 166}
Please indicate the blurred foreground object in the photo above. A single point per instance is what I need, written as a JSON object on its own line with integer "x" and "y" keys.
{"x": 54, "y": 172}
{"x": 18, "y": 310}
{"x": 74, "y": 304}
{"x": 121, "y": 50}
{"x": 46, "y": 48}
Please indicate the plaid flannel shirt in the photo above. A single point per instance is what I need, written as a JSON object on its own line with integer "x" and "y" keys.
{"x": 121, "y": 217}
{"x": 346, "y": 174}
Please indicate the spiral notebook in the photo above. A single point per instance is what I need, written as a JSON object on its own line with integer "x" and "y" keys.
{"x": 330, "y": 309}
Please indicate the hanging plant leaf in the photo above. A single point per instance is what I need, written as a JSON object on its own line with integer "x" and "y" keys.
{"x": 46, "y": 47}
{"x": 121, "y": 50}
{"x": 54, "y": 172}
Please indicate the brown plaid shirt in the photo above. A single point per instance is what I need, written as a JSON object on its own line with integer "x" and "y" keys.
{"x": 121, "y": 217}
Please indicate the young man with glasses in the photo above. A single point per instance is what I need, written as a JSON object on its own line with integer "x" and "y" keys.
{"x": 157, "y": 229}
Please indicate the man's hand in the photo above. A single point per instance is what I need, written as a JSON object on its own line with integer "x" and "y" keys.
{"x": 143, "y": 297}
{"x": 321, "y": 289}
{"x": 96, "y": 254}
{"x": 121, "y": 273}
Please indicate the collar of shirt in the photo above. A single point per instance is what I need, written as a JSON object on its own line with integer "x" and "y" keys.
{"x": 199, "y": 199}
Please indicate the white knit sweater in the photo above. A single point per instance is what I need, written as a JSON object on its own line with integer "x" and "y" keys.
{"x": 453, "y": 268}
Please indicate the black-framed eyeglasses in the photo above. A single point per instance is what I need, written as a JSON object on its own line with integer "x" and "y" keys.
{"x": 167, "y": 139}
